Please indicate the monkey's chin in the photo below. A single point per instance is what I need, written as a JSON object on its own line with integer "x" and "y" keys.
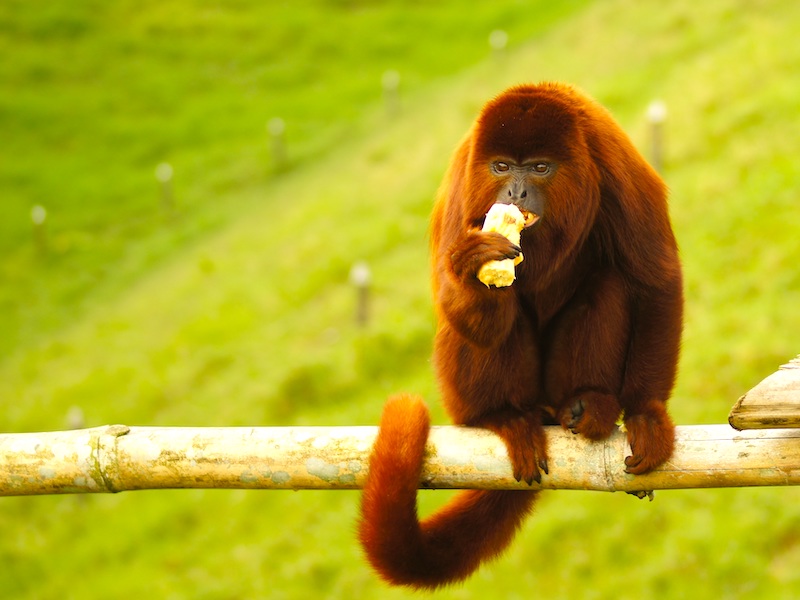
{"x": 530, "y": 218}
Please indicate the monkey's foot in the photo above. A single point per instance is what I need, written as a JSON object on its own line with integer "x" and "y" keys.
{"x": 642, "y": 494}
{"x": 651, "y": 435}
{"x": 525, "y": 442}
{"x": 591, "y": 413}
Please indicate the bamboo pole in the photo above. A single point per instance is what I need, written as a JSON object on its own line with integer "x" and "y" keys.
{"x": 120, "y": 458}
{"x": 773, "y": 403}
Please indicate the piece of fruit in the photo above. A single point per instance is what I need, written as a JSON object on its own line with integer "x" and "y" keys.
{"x": 507, "y": 220}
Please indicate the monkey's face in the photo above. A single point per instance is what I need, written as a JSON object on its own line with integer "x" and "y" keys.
{"x": 529, "y": 149}
{"x": 523, "y": 185}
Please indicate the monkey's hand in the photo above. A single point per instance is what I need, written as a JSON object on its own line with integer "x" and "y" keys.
{"x": 651, "y": 435}
{"x": 508, "y": 221}
{"x": 525, "y": 441}
{"x": 478, "y": 248}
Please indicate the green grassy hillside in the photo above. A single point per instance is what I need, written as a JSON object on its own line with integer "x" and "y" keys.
{"x": 95, "y": 95}
{"x": 238, "y": 311}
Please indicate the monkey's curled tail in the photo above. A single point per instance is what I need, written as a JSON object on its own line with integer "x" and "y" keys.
{"x": 475, "y": 526}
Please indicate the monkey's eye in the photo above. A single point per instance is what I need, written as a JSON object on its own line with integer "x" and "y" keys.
{"x": 501, "y": 167}
{"x": 541, "y": 168}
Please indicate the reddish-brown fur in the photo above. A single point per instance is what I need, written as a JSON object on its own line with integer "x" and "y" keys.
{"x": 589, "y": 331}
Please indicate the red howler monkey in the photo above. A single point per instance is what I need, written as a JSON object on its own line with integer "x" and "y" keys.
{"x": 589, "y": 330}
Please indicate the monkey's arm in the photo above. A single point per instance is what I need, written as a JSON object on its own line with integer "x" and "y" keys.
{"x": 484, "y": 316}
{"x": 650, "y": 375}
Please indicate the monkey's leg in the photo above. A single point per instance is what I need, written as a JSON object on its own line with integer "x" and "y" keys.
{"x": 585, "y": 360}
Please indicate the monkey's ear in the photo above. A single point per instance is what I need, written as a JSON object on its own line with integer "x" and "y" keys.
{"x": 633, "y": 216}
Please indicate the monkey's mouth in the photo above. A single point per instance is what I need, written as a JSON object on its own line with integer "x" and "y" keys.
{"x": 530, "y": 217}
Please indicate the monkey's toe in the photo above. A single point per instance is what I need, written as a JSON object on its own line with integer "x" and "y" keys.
{"x": 591, "y": 413}
{"x": 576, "y": 410}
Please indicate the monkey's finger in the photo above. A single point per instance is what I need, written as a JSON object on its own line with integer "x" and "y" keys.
{"x": 537, "y": 477}
{"x": 632, "y": 464}
{"x": 543, "y": 466}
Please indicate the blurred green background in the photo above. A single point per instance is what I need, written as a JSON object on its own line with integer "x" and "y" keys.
{"x": 227, "y": 302}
